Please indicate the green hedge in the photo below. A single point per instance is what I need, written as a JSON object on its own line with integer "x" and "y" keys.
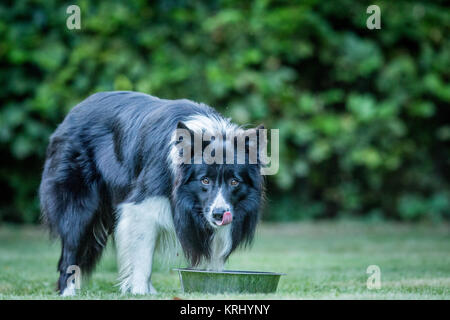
{"x": 363, "y": 114}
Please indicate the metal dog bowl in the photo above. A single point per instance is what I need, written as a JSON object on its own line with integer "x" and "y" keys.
{"x": 195, "y": 280}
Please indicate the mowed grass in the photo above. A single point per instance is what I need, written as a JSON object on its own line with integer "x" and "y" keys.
{"x": 323, "y": 260}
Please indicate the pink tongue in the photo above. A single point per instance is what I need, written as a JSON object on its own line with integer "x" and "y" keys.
{"x": 226, "y": 219}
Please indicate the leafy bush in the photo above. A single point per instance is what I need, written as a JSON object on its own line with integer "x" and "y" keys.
{"x": 363, "y": 114}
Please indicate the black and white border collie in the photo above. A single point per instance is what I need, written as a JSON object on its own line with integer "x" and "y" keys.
{"x": 113, "y": 167}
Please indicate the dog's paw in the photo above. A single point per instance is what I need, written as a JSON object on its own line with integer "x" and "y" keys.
{"x": 69, "y": 292}
{"x": 137, "y": 287}
{"x": 140, "y": 289}
{"x": 153, "y": 290}
{"x": 143, "y": 289}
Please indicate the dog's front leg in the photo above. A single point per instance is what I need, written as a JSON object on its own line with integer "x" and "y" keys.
{"x": 143, "y": 261}
{"x": 136, "y": 236}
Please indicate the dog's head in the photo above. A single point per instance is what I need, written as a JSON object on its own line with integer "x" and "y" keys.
{"x": 217, "y": 184}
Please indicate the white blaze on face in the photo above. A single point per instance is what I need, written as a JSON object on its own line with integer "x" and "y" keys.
{"x": 219, "y": 202}
{"x": 222, "y": 206}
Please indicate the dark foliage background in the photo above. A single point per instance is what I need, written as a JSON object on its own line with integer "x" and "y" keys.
{"x": 363, "y": 114}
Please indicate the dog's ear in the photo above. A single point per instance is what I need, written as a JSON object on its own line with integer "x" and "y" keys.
{"x": 183, "y": 133}
{"x": 261, "y": 141}
{"x": 253, "y": 140}
{"x": 262, "y": 137}
{"x": 184, "y": 139}
{"x": 189, "y": 143}
{"x": 182, "y": 126}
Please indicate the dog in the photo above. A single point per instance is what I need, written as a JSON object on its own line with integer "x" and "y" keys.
{"x": 113, "y": 168}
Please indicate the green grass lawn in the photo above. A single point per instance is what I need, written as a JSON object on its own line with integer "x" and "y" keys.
{"x": 325, "y": 260}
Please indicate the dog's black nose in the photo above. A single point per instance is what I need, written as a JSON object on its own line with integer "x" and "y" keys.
{"x": 218, "y": 213}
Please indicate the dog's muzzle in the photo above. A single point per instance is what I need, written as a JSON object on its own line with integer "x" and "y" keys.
{"x": 222, "y": 216}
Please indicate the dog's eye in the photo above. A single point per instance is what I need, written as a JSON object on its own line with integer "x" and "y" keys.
{"x": 234, "y": 182}
{"x": 205, "y": 180}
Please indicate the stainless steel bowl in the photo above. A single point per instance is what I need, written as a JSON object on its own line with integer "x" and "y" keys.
{"x": 195, "y": 280}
